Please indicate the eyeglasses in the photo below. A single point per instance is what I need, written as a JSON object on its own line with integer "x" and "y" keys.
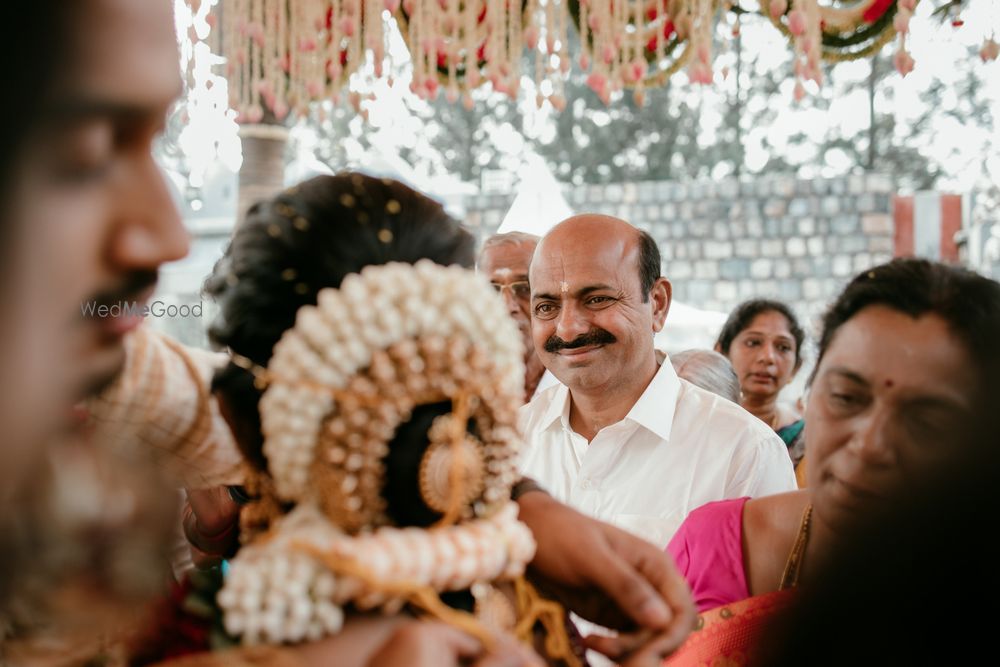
{"x": 520, "y": 290}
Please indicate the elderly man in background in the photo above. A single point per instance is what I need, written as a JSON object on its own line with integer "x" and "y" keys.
{"x": 623, "y": 438}
{"x": 709, "y": 370}
{"x": 504, "y": 260}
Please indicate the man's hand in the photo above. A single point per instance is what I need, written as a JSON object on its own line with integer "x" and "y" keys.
{"x": 210, "y": 521}
{"x": 609, "y": 577}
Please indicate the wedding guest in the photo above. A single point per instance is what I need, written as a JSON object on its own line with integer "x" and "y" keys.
{"x": 763, "y": 340}
{"x": 904, "y": 376}
{"x": 709, "y": 370}
{"x": 622, "y": 438}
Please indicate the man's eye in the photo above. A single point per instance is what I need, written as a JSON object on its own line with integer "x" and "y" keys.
{"x": 544, "y": 309}
{"x": 83, "y": 174}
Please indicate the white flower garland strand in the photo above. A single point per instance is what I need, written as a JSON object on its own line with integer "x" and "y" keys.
{"x": 277, "y": 592}
{"x": 372, "y": 311}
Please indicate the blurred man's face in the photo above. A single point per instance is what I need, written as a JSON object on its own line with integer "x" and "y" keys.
{"x": 105, "y": 221}
{"x": 93, "y": 217}
{"x": 506, "y": 267}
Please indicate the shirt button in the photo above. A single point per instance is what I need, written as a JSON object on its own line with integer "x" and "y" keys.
{"x": 586, "y": 483}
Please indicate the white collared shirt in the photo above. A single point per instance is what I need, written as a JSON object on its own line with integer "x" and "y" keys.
{"x": 678, "y": 448}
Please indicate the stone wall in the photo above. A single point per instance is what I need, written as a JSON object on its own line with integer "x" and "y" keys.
{"x": 729, "y": 240}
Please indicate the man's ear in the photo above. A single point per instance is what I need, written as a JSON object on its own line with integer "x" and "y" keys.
{"x": 661, "y": 296}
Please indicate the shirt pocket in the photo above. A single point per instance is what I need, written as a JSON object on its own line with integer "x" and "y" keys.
{"x": 652, "y": 528}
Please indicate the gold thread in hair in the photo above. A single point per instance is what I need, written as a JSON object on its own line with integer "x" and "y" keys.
{"x": 392, "y": 207}
{"x": 301, "y": 288}
{"x": 871, "y": 275}
{"x": 274, "y": 230}
{"x": 347, "y": 200}
{"x": 284, "y": 210}
{"x": 388, "y": 181}
{"x": 300, "y": 223}
{"x": 385, "y": 235}
{"x": 363, "y": 217}
{"x": 289, "y": 274}
{"x": 244, "y": 362}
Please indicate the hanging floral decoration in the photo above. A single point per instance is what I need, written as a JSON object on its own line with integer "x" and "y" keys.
{"x": 284, "y": 54}
{"x": 642, "y": 43}
{"x": 846, "y": 31}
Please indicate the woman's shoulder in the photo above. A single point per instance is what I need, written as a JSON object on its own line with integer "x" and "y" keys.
{"x": 708, "y": 551}
{"x": 772, "y": 516}
{"x": 708, "y": 527}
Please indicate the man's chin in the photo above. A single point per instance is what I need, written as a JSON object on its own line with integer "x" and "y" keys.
{"x": 100, "y": 370}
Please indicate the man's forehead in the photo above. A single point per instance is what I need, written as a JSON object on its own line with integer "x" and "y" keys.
{"x": 508, "y": 257}
{"x": 125, "y": 58}
{"x": 570, "y": 276}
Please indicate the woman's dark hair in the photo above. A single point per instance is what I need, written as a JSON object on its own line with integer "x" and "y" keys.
{"x": 305, "y": 239}
{"x": 745, "y": 313}
{"x": 965, "y": 300}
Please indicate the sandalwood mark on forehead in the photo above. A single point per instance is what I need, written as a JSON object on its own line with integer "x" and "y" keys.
{"x": 563, "y": 286}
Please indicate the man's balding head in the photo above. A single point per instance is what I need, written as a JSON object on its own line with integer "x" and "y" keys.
{"x": 597, "y": 226}
{"x": 596, "y": 299}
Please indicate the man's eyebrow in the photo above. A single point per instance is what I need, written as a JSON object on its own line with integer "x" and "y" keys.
{"x": 583, "y": 291}
{"x": 82, "y": 107}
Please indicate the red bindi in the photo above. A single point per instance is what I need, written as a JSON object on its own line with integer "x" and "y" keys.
{"x": 889, "y": 383}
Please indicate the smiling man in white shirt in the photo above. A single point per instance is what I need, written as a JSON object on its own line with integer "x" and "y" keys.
{"x": 622, "y": 438}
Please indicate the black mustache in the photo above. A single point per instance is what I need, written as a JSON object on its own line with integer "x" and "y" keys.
{"x": 135, "y": 284}
{"x": 592, "y": 337}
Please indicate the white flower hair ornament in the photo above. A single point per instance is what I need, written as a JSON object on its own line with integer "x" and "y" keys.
{"x": 390, "y": 341}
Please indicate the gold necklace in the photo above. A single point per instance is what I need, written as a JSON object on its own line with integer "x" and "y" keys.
{"x": 793, "y": 567}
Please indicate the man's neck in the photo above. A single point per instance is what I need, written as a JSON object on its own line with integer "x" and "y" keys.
{"x": 532, "y": 376}
{"x": 597, "y": 407}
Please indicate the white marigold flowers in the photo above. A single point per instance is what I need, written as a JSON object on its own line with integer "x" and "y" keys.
{"x": 340, "y": 382}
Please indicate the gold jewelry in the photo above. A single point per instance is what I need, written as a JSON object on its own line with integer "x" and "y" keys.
{"x": 793, "y": 567}
{"x": 443, "y": 459}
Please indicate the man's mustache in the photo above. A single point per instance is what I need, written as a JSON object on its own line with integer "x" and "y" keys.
{"x": 595, "y": 336}
{"x": 129, "y": 290}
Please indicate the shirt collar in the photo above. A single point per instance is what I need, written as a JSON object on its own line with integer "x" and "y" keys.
{"x": 654, "y": 410}
{"x": 558, "y": 408}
